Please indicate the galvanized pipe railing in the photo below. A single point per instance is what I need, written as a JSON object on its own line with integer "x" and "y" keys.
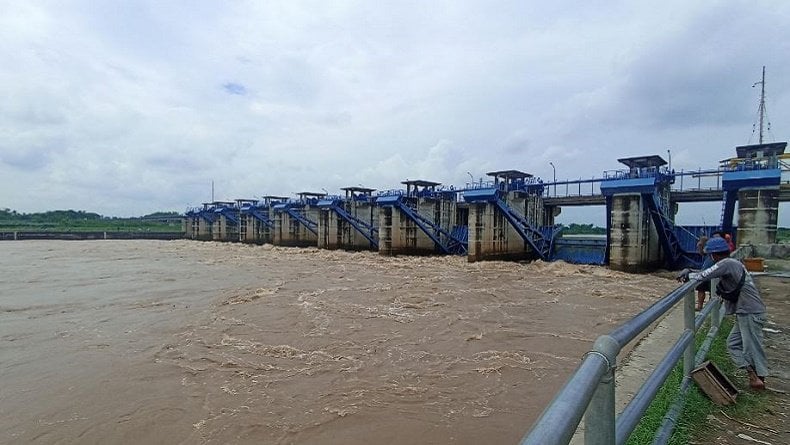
{"x": 664, "y": 433}
{"x": 633, "y": 412}
{"x": 630, "y": 329}
{"x": 590, "y": 391}
{"x": 559, "y": 421}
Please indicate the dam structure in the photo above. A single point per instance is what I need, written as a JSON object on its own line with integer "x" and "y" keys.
{"x": 214, "y": 221}
{"x": 425, "y": 218}
{"x": 296, "y": 221}
{"x": 641, "y": 233}
{"x": 350, "y": 222}
{"x": 256, "y": 219}
{"x": 506, "y": 217}
{"x": 754, "y": 180}
{"x": 512, "y": 215}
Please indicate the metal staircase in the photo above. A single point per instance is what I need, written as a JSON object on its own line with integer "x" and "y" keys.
{"x": 261, "y": 217}
{"x": 367, "y": 230}
{"x": 540, "y": 239}
{"x": 448, "y": 242}
{"x": 309, "y": 225}
{"x": 728, "y": 210}
{"x": 675, "y": 255}
{"x": 459, "y": 240}
{"x": 208, "y": 215}
{"x": 229, "y": 214}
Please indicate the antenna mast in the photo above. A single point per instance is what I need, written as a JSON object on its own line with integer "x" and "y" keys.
{"x": 761, "y": 110}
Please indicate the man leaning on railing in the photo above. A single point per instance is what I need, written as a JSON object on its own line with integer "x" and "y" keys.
{"x": 741, "y": 297}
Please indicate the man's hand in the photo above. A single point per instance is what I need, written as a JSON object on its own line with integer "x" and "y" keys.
{"x": 683, "y": 275}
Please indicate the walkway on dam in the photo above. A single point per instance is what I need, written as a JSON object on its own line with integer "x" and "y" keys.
{"x": 587, "y": 193}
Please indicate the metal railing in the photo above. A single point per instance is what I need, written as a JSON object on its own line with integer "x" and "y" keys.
{"x": 590, "y": 391}
{"x": 683, "y": 181}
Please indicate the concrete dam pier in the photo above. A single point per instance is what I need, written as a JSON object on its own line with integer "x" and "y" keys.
{"x": 512, "y": 215}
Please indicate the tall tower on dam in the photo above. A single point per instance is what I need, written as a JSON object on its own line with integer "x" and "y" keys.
{"x": 753, "y": 178}
{"x": 631, "y": 198}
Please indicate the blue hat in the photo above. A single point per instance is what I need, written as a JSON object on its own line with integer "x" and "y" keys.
{"x": 717, "y": 245}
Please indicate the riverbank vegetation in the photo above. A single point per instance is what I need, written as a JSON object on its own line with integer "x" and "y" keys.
{"x": 82, "y": 221}
{"x": 694, "y": 422}
{"x": 583, "y": 229}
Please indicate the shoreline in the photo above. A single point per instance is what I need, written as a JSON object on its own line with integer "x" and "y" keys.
{"x": 90, "y": 235}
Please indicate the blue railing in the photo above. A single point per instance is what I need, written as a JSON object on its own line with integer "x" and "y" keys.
{"x": 688, "y": 236}
{"x": 391, "y": 192}
{"x": 479, "y": 185}
{"x": 692, "y": 180}
{"x": 647, "y": 172}
{"x": 590, "y": 391}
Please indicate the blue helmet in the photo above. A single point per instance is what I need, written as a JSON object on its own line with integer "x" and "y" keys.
{"x": 717, "y": 245}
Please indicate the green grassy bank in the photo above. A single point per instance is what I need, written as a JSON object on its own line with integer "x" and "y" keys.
{"x": 81, "y": 221}
{"x": 693, "y": 422}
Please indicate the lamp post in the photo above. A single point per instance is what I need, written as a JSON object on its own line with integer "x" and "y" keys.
{"x": 554, "y": 177}
{"x": 669, "y": 155}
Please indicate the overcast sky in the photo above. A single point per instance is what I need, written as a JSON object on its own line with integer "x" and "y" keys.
{"x": 130, "y": 107}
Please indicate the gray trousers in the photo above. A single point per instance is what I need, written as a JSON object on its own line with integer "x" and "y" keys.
{"x": 745, "y": 343}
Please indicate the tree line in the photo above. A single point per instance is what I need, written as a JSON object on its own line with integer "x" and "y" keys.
{"x": 70, "y": 215}
{"x": 80, "y": 220}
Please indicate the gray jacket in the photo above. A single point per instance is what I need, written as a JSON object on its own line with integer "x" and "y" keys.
{"x": 730, "y": 271}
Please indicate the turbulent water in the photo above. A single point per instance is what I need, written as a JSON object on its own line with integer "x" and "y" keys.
{"x": 189, "y": 342}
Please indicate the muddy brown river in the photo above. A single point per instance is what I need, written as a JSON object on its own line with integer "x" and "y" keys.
{"x": 206, "y": 343}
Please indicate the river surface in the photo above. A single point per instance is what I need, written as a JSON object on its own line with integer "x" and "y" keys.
{"x": 172, "y": 342}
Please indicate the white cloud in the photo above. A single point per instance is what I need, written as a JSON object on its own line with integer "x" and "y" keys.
{"x": 127, "y": 108}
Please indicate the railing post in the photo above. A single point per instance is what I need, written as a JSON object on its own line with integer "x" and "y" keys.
{"x": 717, "y": 316}
{"x": 688, "y": 316}
{"x": 599, "y": 420}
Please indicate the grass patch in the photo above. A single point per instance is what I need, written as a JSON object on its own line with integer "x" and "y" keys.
{"x": 81, "y": 221}
{"x": 693, "y": 421}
